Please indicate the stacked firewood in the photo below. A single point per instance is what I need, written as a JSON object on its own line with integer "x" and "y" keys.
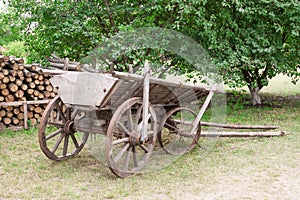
{"x": 19, "y": 82}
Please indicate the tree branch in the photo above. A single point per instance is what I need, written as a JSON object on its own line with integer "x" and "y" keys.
{"x": 111, "y": 20}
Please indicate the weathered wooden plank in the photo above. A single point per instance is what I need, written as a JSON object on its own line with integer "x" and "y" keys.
{"x": 243, "y": 134}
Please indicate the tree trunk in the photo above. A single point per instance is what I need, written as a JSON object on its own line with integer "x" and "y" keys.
{"x": 255, "y": 98}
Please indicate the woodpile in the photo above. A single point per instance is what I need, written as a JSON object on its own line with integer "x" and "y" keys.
{"x": 22, "y": 83}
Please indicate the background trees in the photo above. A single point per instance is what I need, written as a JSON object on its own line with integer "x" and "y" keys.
{"x": 251, "y": 41}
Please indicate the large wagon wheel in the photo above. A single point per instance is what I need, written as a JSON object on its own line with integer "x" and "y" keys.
{"x": 175, "y": 136}
{"x": 57, "y": 136}
{"x": 125, "y": 153}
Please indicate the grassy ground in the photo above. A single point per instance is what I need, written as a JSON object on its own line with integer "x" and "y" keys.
{"x": 236, "y": 168}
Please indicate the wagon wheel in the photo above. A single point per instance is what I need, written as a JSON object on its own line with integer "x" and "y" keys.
{"x": 125, "y": 153}
{"x": 57, "y": 136}
{"x": 175, "y": 136}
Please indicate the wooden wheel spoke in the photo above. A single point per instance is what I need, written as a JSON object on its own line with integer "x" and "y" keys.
{"x": 57, "y": 143}
{"x": 66, "y": 143}
{"x": 54, "y": 134}
{"x": 74, "y": 140}
{"x": 185, "y": 134}
{"x": 61, "y": 114}
{"x": 68, "y": 113}
{"x": 120, "y": 154}
{"x": 127, "y": 159}
{"x": 122, "y": 140}
{"x": 57, "y": 124}
{"x": 144, "y": 148}
{"x": 123, "y": 128}
{"x": 170, "y": 126}
{"x": 73, "y": 115}
{"x": 130, "y": 121}
{"x": 135, "y": 159}
{"x": 138, "y": 115}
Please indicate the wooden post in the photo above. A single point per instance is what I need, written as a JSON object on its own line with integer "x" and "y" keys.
{"x": 66, "y": 64}
{"x": 146, "y": 73}
{"x": 25, "y": 115}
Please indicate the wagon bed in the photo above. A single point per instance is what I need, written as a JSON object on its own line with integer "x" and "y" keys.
{"x": 112, "y": 89}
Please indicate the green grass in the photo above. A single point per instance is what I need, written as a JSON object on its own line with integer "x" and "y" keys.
{"x": 231, "y": 168}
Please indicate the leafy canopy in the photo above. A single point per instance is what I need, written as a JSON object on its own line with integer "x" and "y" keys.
{"x": 251, "y": 41}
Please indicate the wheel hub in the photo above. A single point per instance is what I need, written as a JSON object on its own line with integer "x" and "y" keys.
{"x": 69, "y": 127}
{"x": 135, "y": 138}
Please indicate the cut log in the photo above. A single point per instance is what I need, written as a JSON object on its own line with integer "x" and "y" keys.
{"x": 31, "y": 85}
{"x": 9, "y": 114}
{"x": 38, "y": 110}
{"x": 6, "y": 121}
{"x": 15, "y": 121}
{"x": 9, "y": 108}
{"x": 2, "y": 113}
{"x": 5, "y": 72}
{"x": 21, "y": 67}
{"x": 47, "y": 82}
{"x": 36, "y": 116}
{"x": 209, "y": 124}
{"x": 16, "y": 110}
{"x": 12, "y": 87}
{"x": 41, "y": 96}
{"x": 20, "y": 116}
{"x": 41, "y": 88}
{"x": 30, "y": 91}
{"x": 53, "y": 94}
{"x": 2, "y": 98}
{"x": 5, "y": 80}
{"x": 36, "y": 93}
{"x": 3, "y": 86}
{"x": 19, "y": 93}
{"x": 30, "y": 114}
{"x": 23, "y": 98}
{"x": 5, "y": 92}
{"x": 47, "y": 94}
{"x": 41, "y": 77}
{"x": 24, "y": 87}
{"x": 73, "y": 67}
{"x": 12, "y": 78}
{"x": 15, "y": 66}
{"x": 49, "y": 88}
{"x": 18, "y": 82}
{"x": 28, "y": 79}
{"x": 9, "y": 98}
{"x": 243, "y": 134}
{"x": 36, "y": 82}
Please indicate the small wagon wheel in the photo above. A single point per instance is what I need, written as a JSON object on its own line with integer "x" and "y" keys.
{"x": 175, "y": 136}
{"x": 58, "y": 138}
{"x": 125, "y": 153}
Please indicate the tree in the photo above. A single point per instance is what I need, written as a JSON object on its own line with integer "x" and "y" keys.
{"x": 10, "y": 29}
{"x": 251, "y": 41}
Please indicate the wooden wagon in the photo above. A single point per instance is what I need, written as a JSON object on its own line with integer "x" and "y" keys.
{"x": 130, "y": 110}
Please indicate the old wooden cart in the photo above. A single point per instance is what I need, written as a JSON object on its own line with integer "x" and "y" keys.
{"x": 130, "y": 110}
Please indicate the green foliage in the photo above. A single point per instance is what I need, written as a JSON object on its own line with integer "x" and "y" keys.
{"x": 251, "y": 41}
{"x": 10, "y": 28}
{"x": 16, "y": 48}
